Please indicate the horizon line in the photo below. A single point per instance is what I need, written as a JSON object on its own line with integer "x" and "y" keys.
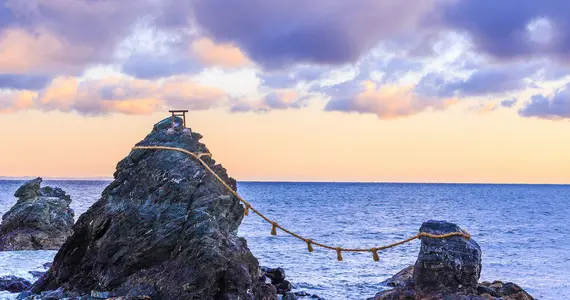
{"x": 21, "y": 178}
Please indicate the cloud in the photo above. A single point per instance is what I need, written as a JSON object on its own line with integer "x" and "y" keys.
{"x": 63, "y": 37}
{"x": 509, "y": 102}
{"x": 387, "y": 102}
{"x": 485, "y": 81}
{"x": 223, "y": 55}
{"x": 115, "y": 95}
{"x": 512, "y": 29}
{"x": 15, "y": 101}
{"x": 278, "y": 34}
{"x": 279, "y": 99}
{"x": 152, "y": 66}
{"x": 554, "y": 108}
{"x": 23, "y": 82}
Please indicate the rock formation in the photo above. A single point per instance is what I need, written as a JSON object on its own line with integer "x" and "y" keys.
{"x": 165, "y": 228}
{"x": 447, "y": 269}
{"x": 14, "y": 284}
{"x": 40, "y": 220}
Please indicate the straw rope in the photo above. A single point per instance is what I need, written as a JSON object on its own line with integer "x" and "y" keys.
{"x": 310, "y": 243}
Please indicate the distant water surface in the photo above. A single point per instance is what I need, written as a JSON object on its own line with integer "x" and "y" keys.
{"x": 523, "y": 231}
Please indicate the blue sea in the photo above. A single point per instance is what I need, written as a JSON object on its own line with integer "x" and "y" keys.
{"x": 523, "y": 230}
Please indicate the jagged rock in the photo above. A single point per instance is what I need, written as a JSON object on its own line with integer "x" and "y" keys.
{"x": 403, "y": 278}
{"x": 446, "y": 265}
{"x": 165, "y": 228}
{"x": 14, "y": 284}
{"x": 283, "y": 287}
{"x": 41, "y": 219}
{"x": 447, "y": 269}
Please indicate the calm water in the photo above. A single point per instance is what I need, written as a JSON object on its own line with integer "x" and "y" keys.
{"x": 522, "y": 230}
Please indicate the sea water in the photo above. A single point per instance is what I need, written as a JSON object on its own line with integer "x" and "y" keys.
{"x": 523, "y": 231}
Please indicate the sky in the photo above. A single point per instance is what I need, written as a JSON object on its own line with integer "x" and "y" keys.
{"x": 289, "y": 90}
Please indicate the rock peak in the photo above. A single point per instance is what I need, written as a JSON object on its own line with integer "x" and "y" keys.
{"x": 164, "y": 228}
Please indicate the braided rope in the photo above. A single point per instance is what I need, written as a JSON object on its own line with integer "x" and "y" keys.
{"x": 275, "y": 225}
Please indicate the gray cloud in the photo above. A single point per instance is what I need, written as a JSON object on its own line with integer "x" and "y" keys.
{"x": 555, "y": 107}
{"x": 23, "y": 82}
{"x": 509, "y": 102}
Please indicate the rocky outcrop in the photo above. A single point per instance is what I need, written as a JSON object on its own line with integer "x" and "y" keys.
{"x": 14, "y": 284}
{"x": 41, "y": 219}
{"x": 165, "y": 228}
{"x": 447, "y": 269}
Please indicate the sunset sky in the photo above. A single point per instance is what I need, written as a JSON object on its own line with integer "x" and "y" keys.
{"x": 321, "y": 90}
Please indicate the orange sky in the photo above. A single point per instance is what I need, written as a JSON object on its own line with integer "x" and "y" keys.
{"x": 305, "y": 145}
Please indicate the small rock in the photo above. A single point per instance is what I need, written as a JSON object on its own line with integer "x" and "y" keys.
{"x": 47, "y": 265}
{"x": 276, "y": 275}
{"x": 14, "y": 284}
{"x": 403, "y": 278}
{"x": 283, "y": 287}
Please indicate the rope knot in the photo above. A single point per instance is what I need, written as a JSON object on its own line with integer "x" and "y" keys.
{"x": 274, "y": 228}
{"x": 375, "y": 254}
{"x": 338, "y": 253}
{"x": 309, "y": 245}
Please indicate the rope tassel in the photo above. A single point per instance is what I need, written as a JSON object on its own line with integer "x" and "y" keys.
{"x": 274, "y": 228}
{"x": 246, "y": 211}
{"x": 309, "y": 245}
{"x": 338, "y": 254}
{"x": 375, "y": 254}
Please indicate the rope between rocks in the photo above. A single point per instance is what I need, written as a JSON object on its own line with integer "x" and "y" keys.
{"x": 275, "y": 225}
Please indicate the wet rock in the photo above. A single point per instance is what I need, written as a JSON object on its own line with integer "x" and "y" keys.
{"x": 41, "y": 219}
{"x": 283, "y": 287}
{"x": 403, "y": 278}
{"x": 14, "y": 284}
{"x": 276, "y": 275}
{"x": 300, "y": 295}
{"x": 47, "y": 265}
{"x": 160, "y": 231}
{"x": 446, "y": 265}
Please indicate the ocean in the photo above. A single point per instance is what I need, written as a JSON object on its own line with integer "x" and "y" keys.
{"x": 523, "y": 231}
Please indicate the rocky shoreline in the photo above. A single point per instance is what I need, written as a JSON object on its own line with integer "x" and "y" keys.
{"x": 165, "y": 228}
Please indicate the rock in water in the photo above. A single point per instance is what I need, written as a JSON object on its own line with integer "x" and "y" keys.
{"x": 164, "y": 228}
{"x": 14, "y": 284}
{"x": 446, "y": 265}
{"x": 41, "y": 219}
{"x": 447, "y": 269}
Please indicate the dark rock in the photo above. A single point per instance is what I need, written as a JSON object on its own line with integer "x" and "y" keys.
{"x": 403, "y": 278}
{"x": 37, "y": 274}
{"x": 448, "y": 269}
{"x": 276, "y": 275}
{"x": 47, "y": 265}
{"x": 165, "y": 228}
{"x": 299, "y": 295}
{"x": 41, "y": 219}
{"x": 14, "y": 284}
{"x": 446, "y": 265}
{"x": 283, "y": 287}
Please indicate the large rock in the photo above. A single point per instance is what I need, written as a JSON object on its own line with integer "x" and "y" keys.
{"x": 446, "y": 265}
{"x": 41, "y": 219}
{"x": 164, "y": 228}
